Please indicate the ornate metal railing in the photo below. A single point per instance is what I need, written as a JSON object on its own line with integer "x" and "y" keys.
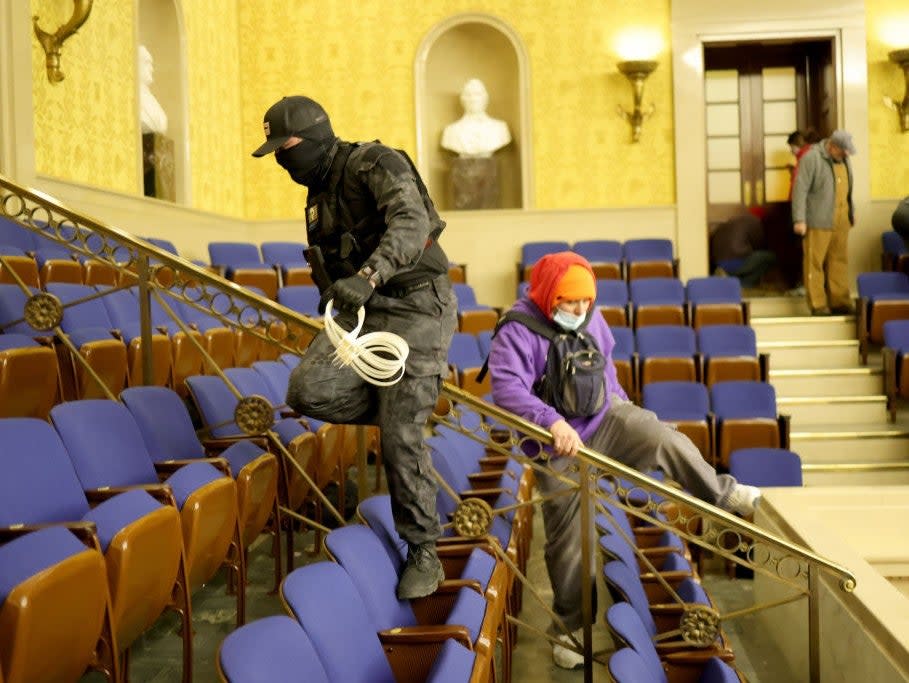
{"x": 600, "y": 479}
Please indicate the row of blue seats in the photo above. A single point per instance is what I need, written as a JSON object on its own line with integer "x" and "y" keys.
{"x": 610, "y": 259}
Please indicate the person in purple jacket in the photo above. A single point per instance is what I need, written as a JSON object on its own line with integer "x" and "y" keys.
{"x": 562, "y": 290}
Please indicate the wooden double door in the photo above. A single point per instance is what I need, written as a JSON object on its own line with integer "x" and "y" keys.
{"x": 756, "y": 94}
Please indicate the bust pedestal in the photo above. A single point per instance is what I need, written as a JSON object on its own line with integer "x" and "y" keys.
{"x": 158, "y": 166}
{"x": 474, "y": 183}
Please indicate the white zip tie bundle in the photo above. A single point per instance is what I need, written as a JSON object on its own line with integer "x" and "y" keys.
{"x": 361, "y": 353}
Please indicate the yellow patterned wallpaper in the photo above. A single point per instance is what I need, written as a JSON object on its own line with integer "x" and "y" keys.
{"x": 887, "y": 25}
{"x": 215, "y": 122}
{"x": 357, "y": 59}
{"x": 85, "y": 126}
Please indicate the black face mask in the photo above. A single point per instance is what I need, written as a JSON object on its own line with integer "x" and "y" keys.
{"x": 305, "y": 161}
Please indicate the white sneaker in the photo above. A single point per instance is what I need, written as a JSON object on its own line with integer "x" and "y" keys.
{"x": 565, "y": 657}
{"x": 743, "y": 500}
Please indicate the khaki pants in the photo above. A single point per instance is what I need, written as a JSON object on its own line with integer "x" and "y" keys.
{"x": 825, "y": 267}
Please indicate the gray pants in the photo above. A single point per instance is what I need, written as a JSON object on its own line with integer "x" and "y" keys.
{"x": 426, "y": 319}
{"x": 636, "y": 438}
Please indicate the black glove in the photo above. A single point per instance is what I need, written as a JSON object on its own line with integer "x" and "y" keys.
{"x": 349, "y": 293}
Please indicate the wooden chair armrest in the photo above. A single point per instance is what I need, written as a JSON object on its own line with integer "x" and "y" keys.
{"x": 160, "y": 492}
{"x": 86, "y": 532}
{"x": 171, "y": 466}
{"x": 432, "y": 633}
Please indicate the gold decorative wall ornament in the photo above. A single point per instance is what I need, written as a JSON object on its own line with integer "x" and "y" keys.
{"x": 637, "y": 71}
{"x": 53, "y": 42}
{"x": 901, "y": 57}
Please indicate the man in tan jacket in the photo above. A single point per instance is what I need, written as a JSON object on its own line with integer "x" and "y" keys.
{"x": 822, "y": 213}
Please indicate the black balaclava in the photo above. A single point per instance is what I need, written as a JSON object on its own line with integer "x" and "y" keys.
{"x": 308, "y": 161}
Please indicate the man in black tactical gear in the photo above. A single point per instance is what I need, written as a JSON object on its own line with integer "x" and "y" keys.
{"x": 368, "y": 211}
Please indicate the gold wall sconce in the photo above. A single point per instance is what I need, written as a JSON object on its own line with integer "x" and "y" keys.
{"x": 53, "y": 42}
{"x": 637, "y": 71}
{"x": 901, "y": 57}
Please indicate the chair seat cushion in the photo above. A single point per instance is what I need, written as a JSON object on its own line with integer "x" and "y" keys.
{"x": 189, "y": 478}
{"x": 479, "y": 567}
{"x": 118, "y": 512}
{"x": 453, "y": 663}
{"x": 468, "y": 610}
{"x": 27, "y": 555}
{"x": 240, "y": 454}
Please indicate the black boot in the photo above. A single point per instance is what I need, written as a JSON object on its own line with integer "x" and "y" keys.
{"x": 422, "y": 573}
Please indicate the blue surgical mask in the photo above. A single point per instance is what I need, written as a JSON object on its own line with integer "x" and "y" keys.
{"x": 567, "y": 321}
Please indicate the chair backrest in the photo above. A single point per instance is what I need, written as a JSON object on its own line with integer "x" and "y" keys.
{"x": 376, "y": 512}
{"x": 12, "y": 307}
{"x": 166, "y": 245}
{"x": 626, "y": 584}
{"x": 713, "y": 290}
{"x": 15, "y": 235}
{"x": 627, "y": 666}
{"x": 164, "y": 422}
{"x": 280, "y": 253}
{"x": 766, "y": 467}
{"x": 276, "y": 375}
{"x": 249, "y": 383}
{"x": 215, "y": 403}
{"x": 665, "y": 340}
{"x": 676, "y": 400}
{"x": 466, "y": 296}
{"x": 624, "y": 342}
{"x": 464, "y": 351}
{"x": 300, "y": 298}
{"x": 727, "y": 340}
{"x": 360, "y": 552}
{"x": 39, "y": 484}
{"x": 484, "y": 341}
{"x": 625, "y": 623}
{"x": 233, "y": 253}
{"x": 274, "y": 648}
{"x": 87, "y": 314}
{"x": 324, "y": 599}
{"x": 743, "y": 399}
{"x": 892, "y": 243}
{"x": 612, "y": 293}
{"x": 656, "y": 290}
{"x": 896, "y": 335}
{"x": 104, "y": 443}
{"x": 599, "y": 251}
{"x": 873, "y": 284}
{"x": 531, "y": 252}
{"x": 648, "y": 249}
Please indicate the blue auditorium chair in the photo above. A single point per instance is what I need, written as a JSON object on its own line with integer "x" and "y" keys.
{"x": 473, "y": 316}
{"x": 894, "y": 253}
{"x": 638, "y": 661}
{"x": 531, "y": 252}
{"x": 612, "y": 301}
{"x": 657, "y": 301}
{"x": 89, "y": 327}
{"x": 766, "y": 467}
{"x": 29, "y": 377}
{"x": 301, "y": 298}
{"x": 604, "y": 256}
{"x": 466, "y": 359}
{"x": 685, "y": 404}
{"x": 168, "y": 432}
{"x": 273, "y": 648}
{"x": 894, "y": 359}
{"x": 715, "y": 301}
{"x": 106, "y": 448}
{"x": 16, "y": 263}
{"x": 729, "y": 352}
{"x": 616, "y": 547}
{"x": 881, "y": 297}
{"x": 16, "y": 235}
{"x": 242, "y": 263}
{"x": 649, "y": 257}
{"x": 624, "y": 357}
{"x": 217, "y": 338}
{"x": 321, "y": 588}
{"x": 360, "y": 552}
{"x": 287, "y": 258}
{"x": 137, "y": 528}
{"x": 54, "y": 609}
{"x": 746, "y": 416}
{"x": 666, "y": 353}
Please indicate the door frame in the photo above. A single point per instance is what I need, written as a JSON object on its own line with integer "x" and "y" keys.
{"x": 810, "y": 20}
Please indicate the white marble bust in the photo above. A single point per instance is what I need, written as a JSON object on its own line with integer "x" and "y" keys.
{"x": 476, "y": 134}
{"x": 153, "y": 117}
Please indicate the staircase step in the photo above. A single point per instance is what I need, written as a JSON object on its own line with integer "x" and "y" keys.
{"x": 859, "y": 381}
{"x": 871, "y": 476}
{"x": 777, "y": 306}
{"x": 795, "y": 328}
{"x": 852, "y": 443}
{"x": 819, "y": 410}
{"x": 837, "y": 353}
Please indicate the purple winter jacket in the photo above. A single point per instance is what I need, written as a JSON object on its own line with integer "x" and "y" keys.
{"x": 517, "y": 358}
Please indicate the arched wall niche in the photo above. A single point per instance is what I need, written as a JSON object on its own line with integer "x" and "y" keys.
{"x": 161, "y": 30}
{"x": 469, "y": 46}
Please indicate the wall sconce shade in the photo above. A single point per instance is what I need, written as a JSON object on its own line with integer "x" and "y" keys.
{"x": 53, "y": 42}
{"x": 637, "y": 71}
{"x": 901, "y": 57}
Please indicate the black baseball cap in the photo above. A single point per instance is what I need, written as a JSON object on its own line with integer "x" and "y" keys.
{"x": 288, "y": 117}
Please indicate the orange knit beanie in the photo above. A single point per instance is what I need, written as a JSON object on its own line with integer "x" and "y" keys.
{"x": 564, "y": 276}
